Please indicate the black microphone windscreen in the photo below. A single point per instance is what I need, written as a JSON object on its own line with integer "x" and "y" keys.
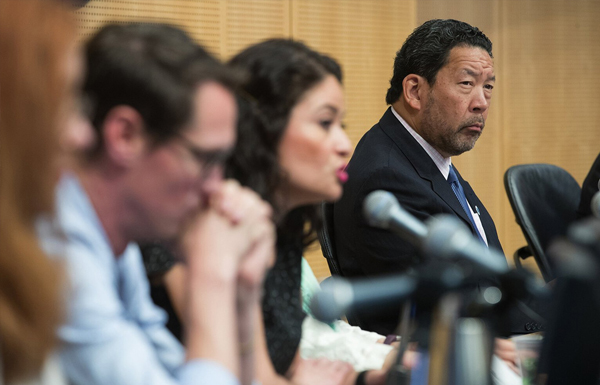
{"x": 448, "y": 237}
{"x": 377, "y": 207}
{"x": 333, "y": 300}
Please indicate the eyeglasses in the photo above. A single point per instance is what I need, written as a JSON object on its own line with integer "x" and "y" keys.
{"x": 206, "y": 160}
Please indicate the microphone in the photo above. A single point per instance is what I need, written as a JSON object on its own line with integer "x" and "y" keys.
{"x": 449, "y": 238}
{"x": 444, "y": 235}
{"x": 381, "y": 209}
{"x": 338, "y": 295}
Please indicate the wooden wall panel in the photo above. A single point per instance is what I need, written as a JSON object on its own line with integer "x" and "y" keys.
{"x": 202, "y": 19}
{"x": 552, "y": 73}
{"x": 250, "y": 21}
{"x": 222, "y": 26}
{"x": 364, "y": 37}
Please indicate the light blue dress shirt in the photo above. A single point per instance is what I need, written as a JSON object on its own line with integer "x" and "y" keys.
{"x": 114, "y": 334}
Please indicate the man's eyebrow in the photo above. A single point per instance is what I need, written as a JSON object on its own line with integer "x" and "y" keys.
{"x": 471, "y": 72}
{"x": 477, "y": 74}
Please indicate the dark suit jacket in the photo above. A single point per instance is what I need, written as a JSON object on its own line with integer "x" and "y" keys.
{"x": 588, "y": 189}
{"x": 389, "y": 158}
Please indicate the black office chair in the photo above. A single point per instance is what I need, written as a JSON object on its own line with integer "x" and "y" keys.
{"x": 544, "y": 199}
{"x": 326, "y": 239}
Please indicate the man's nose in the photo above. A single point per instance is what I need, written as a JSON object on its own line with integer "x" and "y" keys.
{"x": 212, "y": 179}
{"x": 480, "y": 102}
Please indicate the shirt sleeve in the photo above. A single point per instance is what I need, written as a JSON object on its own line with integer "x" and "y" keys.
{"x": 209, "y": 371}
{"x": 309, "y": 286}
{"x": 116, "y": 336}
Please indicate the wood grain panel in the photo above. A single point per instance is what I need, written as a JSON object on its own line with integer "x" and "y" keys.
{"x": 250, "y": 21}
{"x": 552, "y": 87}
{"x": 202, "y": 19}
{"x": 222, "y": 26}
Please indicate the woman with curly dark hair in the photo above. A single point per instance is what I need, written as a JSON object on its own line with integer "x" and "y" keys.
{"x": 292, "y": 150}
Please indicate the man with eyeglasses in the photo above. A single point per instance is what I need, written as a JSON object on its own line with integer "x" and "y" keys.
{"x": 165, "y": 116}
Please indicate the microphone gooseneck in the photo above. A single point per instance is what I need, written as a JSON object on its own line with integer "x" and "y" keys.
{"x": 338, "y": 295}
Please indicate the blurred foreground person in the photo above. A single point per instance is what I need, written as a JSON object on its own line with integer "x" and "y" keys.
{"x": 40, "y": 70}
{"x": 165, "y": 116}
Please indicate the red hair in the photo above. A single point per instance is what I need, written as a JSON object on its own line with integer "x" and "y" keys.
{"x": 35, "y": 39}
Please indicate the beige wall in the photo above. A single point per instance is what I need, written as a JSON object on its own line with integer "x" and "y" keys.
{"x": 547, "y": 59}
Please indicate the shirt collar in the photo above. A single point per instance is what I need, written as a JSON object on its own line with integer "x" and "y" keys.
{"x": 443, "y": 164}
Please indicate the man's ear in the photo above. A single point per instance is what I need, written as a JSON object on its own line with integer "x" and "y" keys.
{"x": 124, "y": 135}
{"x": 413, "y": 87}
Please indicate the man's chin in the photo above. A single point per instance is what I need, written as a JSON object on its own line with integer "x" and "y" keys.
{"x": 468, "y": 142}
{"x": 460, "y": 149}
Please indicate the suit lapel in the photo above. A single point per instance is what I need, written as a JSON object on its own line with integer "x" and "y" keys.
{"x": 422, "y": 162}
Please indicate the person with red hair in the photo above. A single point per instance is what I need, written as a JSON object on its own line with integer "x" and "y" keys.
{"x": 40, "y": 70}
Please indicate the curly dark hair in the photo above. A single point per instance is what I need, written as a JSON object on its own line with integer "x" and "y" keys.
{"x": 427, "y": 48}
{"x": 280, "y": 72}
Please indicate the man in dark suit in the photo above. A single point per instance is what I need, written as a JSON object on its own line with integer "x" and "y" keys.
{"x": 440, "y": 96}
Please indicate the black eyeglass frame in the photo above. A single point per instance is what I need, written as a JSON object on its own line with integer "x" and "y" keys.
{"x": 206, "y": 160}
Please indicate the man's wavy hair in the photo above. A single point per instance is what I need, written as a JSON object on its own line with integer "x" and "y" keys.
{"x": 427, "y": 49}
{"x": 280, "y": 72}
{"x": 153, "y": 68}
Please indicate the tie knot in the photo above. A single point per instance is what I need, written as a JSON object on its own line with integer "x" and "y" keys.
{"x": 452, "y": 178}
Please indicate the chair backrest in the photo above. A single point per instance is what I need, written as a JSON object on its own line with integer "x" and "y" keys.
{"x": 544, "y": 199}
{"x": 326, "y": 238}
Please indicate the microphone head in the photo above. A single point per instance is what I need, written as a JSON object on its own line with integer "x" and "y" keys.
{"x": 333, "y": 300}
{"x": 449, "y": 237}
{"x": 446, "y": 232}
{"x": 596, "y": 205}
{"x": 377, "y": 207}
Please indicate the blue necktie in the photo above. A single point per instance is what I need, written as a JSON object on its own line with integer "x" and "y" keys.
{"x": 460, "y": 194}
